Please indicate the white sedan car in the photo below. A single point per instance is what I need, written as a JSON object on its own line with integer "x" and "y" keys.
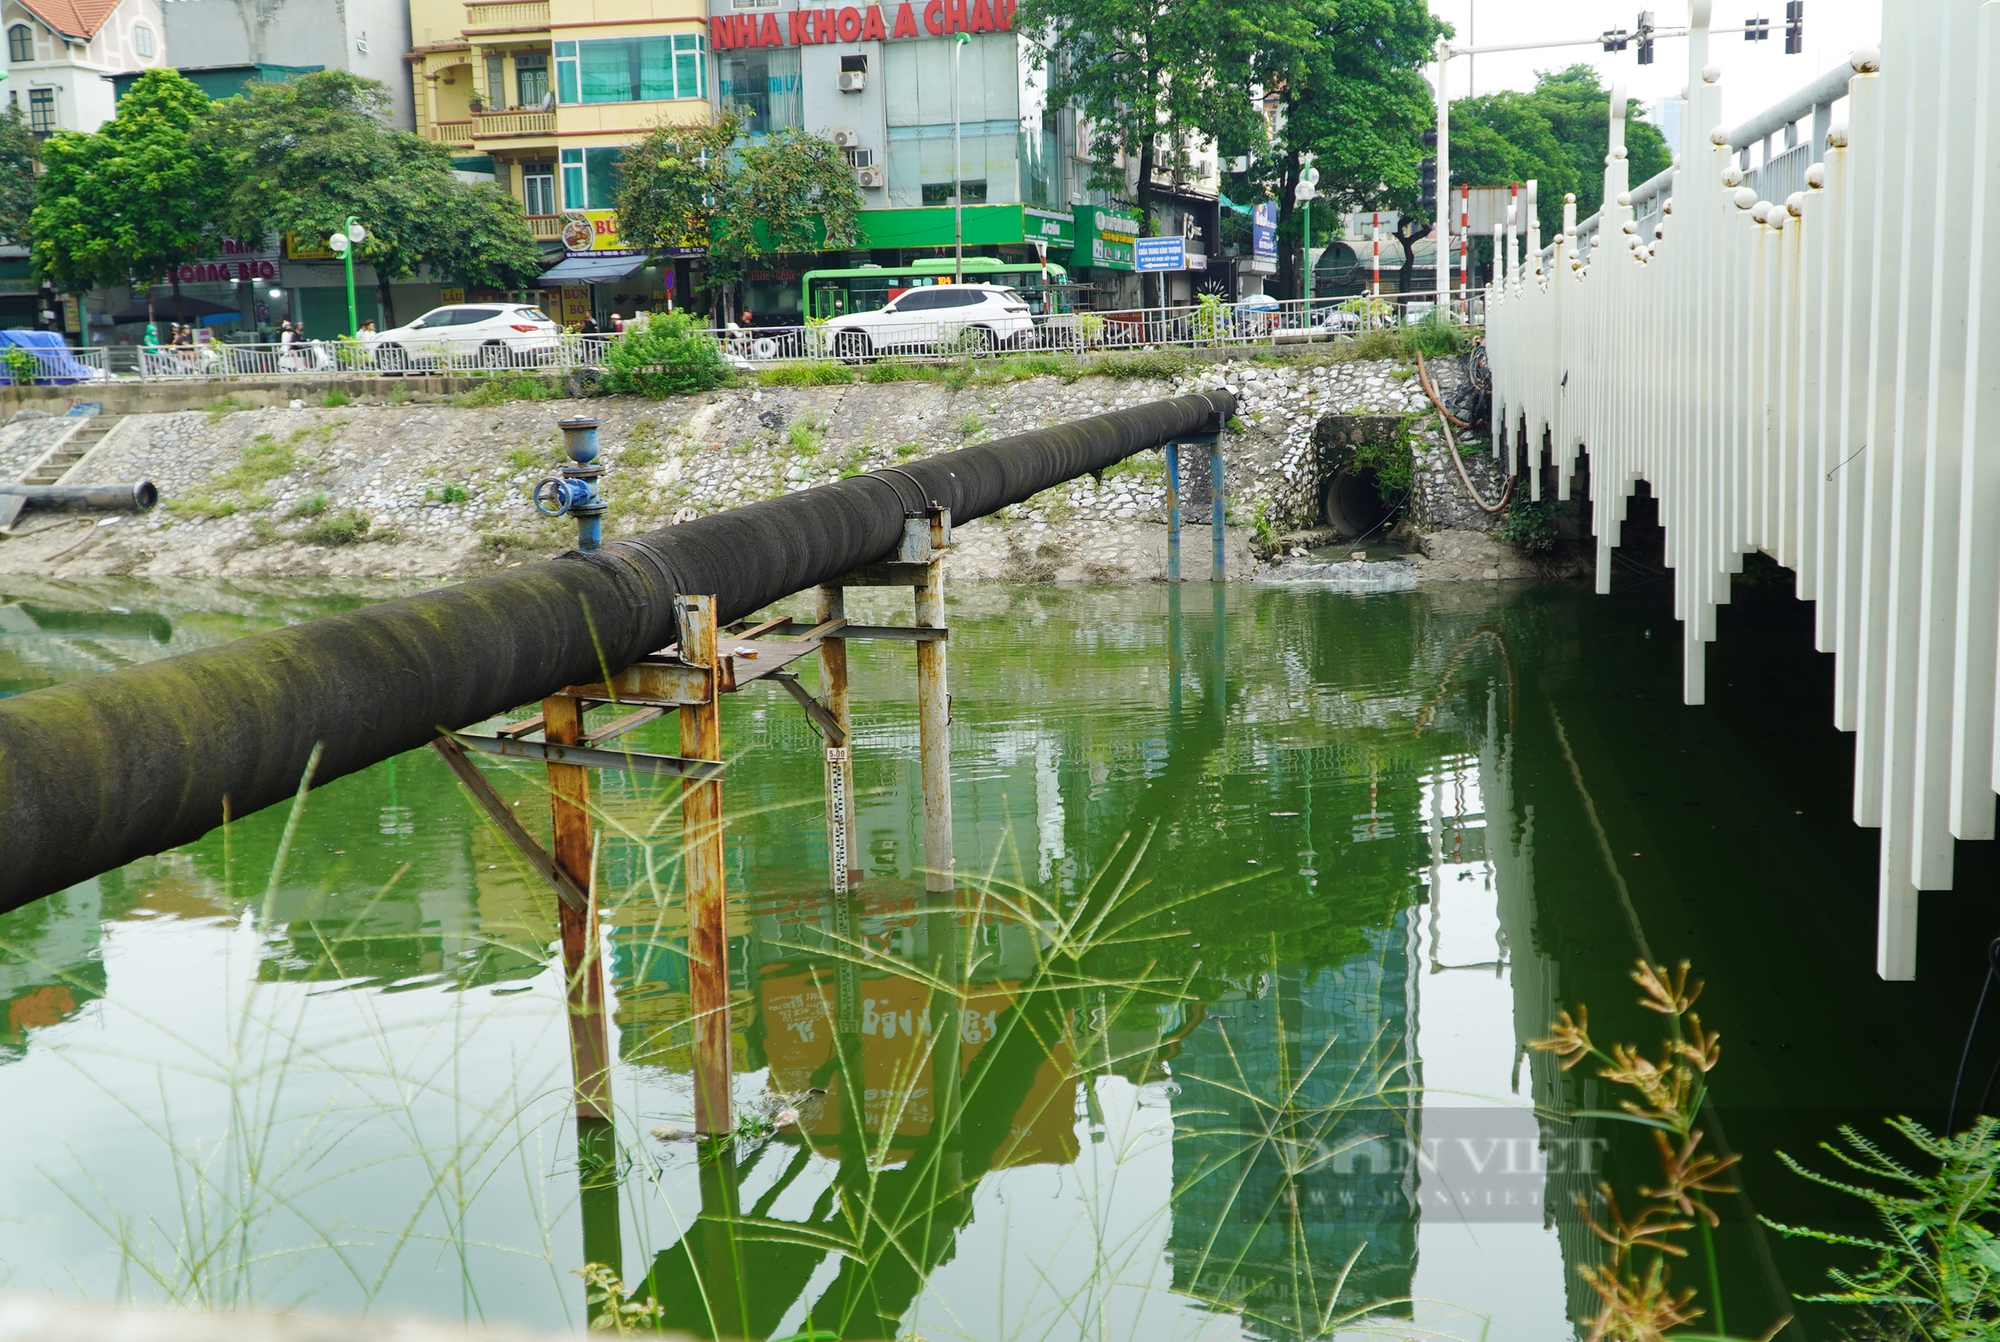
{"x": 490, "y": 335}
{"x": 952, "y": 316}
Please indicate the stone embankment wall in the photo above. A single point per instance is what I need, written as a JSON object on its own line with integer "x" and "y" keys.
{"x": 434, "y": 488}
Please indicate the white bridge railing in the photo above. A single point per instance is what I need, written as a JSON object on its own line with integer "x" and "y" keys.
{"x": 1815, "y": 375}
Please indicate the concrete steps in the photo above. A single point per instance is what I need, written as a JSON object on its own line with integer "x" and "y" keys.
{"x": 56, "y": 465}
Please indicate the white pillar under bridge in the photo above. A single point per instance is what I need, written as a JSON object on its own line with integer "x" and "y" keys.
{"x": 1805, "y": 360}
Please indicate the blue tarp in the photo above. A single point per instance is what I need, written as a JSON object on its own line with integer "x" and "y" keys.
{"x": 58, "y": 366}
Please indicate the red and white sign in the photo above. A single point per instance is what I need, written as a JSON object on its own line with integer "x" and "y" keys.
{"x": 853, "y": 23}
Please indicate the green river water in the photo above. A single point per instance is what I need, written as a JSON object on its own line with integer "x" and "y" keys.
{"x": 1263, "y": 891}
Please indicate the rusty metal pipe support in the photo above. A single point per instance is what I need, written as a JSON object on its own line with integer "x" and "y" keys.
{"x": 100, "y": 771}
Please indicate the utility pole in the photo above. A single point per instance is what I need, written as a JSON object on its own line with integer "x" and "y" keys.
{"x": 957, "y": 165}
{"x": 1305, "y": 193}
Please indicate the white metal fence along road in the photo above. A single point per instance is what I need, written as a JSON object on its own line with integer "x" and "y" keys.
{"x": 1260, "y": 322}
{"x": 1818, "y": 377}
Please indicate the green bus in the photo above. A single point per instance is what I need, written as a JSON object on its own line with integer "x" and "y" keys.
{"x": 835, "y": 293}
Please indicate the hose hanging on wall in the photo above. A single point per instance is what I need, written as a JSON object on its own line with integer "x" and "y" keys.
{"x": 1451, "y": 447}
{"x": 100, "y": 771}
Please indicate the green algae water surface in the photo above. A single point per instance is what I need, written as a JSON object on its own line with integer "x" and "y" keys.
{"x": 1262, "y": 894}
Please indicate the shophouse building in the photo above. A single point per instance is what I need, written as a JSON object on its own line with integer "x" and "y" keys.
{"x": 546, "y": 95}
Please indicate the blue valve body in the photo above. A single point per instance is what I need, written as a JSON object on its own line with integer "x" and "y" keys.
{"x": 574, "y": 492}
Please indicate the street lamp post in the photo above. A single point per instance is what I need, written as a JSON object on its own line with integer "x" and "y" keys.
{"x": 1305, "y": 193}
{"x": 957, "y": 165}
{"x": 345, "y": 242}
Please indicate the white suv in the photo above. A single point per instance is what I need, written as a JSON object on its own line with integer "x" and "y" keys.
{"x": 983, "y": 316}
{"x": 495, "y": 335}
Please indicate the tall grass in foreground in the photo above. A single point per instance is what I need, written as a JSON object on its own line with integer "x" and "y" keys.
{"x": 262, "y": 1214}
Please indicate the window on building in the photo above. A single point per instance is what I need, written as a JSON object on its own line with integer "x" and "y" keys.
{"x": 763, "y": 88}
{"x": 641, "y": 69}
{"x": 531, "y": 77}
{"x": 20, "y": 43}
{"x": 939, "y": 193}
{"x": 142, "y": 41}
{"x": 42, "y": 111}
{"x": 538, "y": 188}
{"x": 753, "y": 4}
{"x": 566, "y": 72}
{"x": 496, "y": 82}
{"x": 590, "y": 178}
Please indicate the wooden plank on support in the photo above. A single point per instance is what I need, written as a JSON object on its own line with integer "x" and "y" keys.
{"x": 586, "y": 757}
{"x": 503, "y": 817}
{"x": 742, "y": 662}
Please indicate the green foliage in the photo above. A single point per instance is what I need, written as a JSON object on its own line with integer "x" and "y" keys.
{"x": 705, "y": 186}
{"x": 17, "y": 177}
{"x": 1936, "y": 1275}
{"x": 312, "y": 505}
{"x": 22, "y": 367}
{"x": 453, "y": 494}
{"x": 342, "y": 528}
{"x": 1133, "y": 68}
{"x": 1437, "y": 336}
{"x": 241, "y": 486}
{"x": 135, "y": 199}
{"x": 1556, "y": 135}
{"x": 500, "y": 390}
{"x": 1350, "y": 80}
{"x": 610, "y": 1311}
{"x": 671, "y": 355}
{"x": 303, "y": 155}
{"x": 1530, "y": 524}
{"x": 1391, "y": 464}
{"x": 814, "y": 373}
{"x": 334, "y": 399}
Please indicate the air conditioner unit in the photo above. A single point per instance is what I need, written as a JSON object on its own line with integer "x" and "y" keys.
{"x": 853, "y": 81}
{"x": 847, "y": 139}
{"x": 861, "y": 158}
{"x": 871, "y": 179}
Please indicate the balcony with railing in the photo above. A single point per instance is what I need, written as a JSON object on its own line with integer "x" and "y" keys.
{"x": 546, "y": 226}
{"x": 488, "y": 16}
{"x": 512, "y": 125}
{"x": 457, "y": 134}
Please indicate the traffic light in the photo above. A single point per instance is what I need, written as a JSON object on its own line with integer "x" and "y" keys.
{"x": 1756, "y": 30}
{"x": 1795, "y": 27}
{"x": 1614, "y": 39}
{"x": 1645, "y": 35}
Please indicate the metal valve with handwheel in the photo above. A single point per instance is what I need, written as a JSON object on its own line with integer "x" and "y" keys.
{"x": 574, "y": 493}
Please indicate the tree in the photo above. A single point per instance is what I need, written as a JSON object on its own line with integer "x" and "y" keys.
{"x": 704, "y": 186}
{"x": 136, "y": 199}
{"x": 17, "y": 177}
{"x": 1555, "y": 134}
{"x": 306, "y": 154}
{"x": 1346, "y": 93}
{"x": 1137, "y": 71}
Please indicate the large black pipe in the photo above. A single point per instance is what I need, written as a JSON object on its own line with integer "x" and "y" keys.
{"x": 100, "y": 771}
{"x": 132, "y": 498}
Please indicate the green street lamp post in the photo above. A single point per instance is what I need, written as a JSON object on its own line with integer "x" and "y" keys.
{"x": 345, "y": 242}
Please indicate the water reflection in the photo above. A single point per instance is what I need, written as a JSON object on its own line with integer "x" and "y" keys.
{"x": 1263, "y": 894}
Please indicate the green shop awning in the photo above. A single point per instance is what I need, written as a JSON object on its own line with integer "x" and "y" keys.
{"x": 985, "y": 226}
